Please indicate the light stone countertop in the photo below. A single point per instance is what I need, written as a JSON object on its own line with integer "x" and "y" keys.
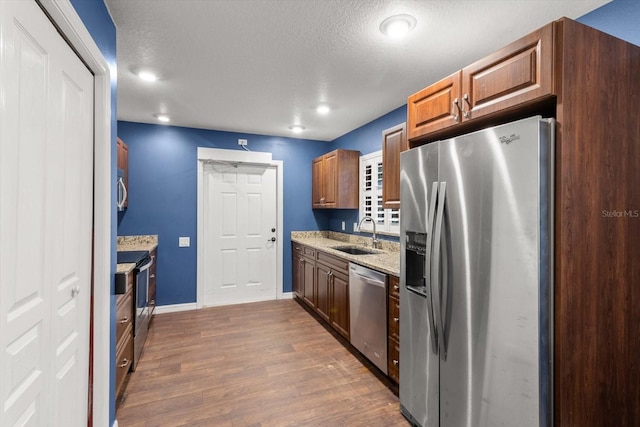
{"x": 135, "y": 243}
{"x": 387, "y": 261}
{"x": 125, "y": 268}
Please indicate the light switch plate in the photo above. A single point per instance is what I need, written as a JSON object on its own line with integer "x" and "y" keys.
{"x": 184, "y": 242}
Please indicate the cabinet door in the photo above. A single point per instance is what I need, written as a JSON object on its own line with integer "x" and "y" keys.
{"x": 309, "y": 276}
{"x": 323, "y": 274}
{"x": 152, "y": 282}
{"x": 297, "y": 273}
{"x": 123, "y": 163}
{"x": 330, "y": 182}
{"x": 317, "y": 196}
{"x": 519, "y": 73}
{"x": 339, "y": 308}
{"x": 394, "y": 141}
{"x": 435, "y": 107}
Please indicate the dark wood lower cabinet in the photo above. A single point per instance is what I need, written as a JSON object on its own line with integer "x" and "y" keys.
{"x": 339, "y": 308}
{"x": 321, "y": 280}
{"x": 323, "y": 277}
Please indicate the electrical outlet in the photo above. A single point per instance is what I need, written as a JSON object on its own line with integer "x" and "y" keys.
{"x": 343, "y": 226}
{"x": 242, "y": 142}
{"x": 184, "y": 242}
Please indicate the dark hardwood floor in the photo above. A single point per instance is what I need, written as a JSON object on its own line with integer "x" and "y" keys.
{"x": 259, "y": 364}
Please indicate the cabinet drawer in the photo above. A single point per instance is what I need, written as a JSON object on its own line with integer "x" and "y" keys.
{"x": 298, "y": 248}
{"x": 394, "y": 318}
{"x": 310, "y": 252}
{"x": 394, "y": 286}
{"x": 336, "y": 263}
{"x": 124, "y": 314}
{"x": 124, "y": 357}
{"x": 394, "y": 360}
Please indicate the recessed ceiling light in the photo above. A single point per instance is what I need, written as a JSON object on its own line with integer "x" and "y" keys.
{"x": 147, "y": 76}
{"x": 296, "y": 128}
{"x": 323, "y": 109}
{"x": 398, "y": 25}
{"x": 162, "y": 118}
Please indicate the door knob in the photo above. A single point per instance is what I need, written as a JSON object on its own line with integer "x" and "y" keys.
{"x": 273, "y": 230}
{"x": 273, "y": 239}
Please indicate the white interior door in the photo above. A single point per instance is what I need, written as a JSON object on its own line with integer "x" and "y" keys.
{"x": 46, "y": 188}
{"x": 240, "y": 219}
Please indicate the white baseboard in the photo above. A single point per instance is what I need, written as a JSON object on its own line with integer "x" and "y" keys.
{"x": 286, "y": 295}
{"x": 115, "y": 423}
{"x": 160, "y": 309}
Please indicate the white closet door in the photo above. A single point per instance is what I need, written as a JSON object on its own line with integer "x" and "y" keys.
{"x": 46, "y": 188}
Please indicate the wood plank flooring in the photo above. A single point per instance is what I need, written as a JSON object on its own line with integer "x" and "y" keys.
{"x": 260, "y": 364}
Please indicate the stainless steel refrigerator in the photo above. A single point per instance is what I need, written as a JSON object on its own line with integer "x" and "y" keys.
{"x": 476, "y": 278}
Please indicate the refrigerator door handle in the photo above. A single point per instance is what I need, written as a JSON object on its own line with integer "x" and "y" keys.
{"x": 435, "y": 268}
{"x": 427, "y": 268}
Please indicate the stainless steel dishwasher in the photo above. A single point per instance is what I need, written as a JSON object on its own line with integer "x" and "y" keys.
{"x": 368, "y": 313}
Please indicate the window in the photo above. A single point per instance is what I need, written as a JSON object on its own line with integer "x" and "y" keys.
{"x": 387, "y": 220}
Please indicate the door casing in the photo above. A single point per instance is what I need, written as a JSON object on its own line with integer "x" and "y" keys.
{"x": 248, "y": 157}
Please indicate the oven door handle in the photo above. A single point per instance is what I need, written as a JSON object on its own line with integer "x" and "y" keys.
{"x": 147, "y": 265}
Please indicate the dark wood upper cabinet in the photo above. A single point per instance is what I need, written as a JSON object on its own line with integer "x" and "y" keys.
{"x": 123, "y": 163}
{"x": 394, "y": 141}
{"x": 588, "y": 81}
{"x": 335, "y": 180}
{"x": 519, "y": 73}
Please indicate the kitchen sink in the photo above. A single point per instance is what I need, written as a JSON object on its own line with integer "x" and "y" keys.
{"x": 356, "y": 250}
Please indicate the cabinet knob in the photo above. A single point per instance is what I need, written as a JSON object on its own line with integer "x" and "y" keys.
{"x": 124, "y": 363}
{"x": 395, "y": 319}
{"x": 124, "y": 320}
{"x": 153, "y": 276}
{"x": 395, "y": 362}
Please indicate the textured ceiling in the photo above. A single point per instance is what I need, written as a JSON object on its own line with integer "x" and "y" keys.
{"x": 260, "y": 66}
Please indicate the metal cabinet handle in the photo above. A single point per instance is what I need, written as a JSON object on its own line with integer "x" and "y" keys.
{"x": 455, "y": 107}
{"x": 152, "y": 302}
{"x": 395, "y": 319}
{"x": 124, "y": 363}
{"x": 396, "y": 287}
{"x": 465, "y": 100}
{"x": 153, "y": 276}
{"x": 395, "y": 362}
{"x": 124, "y": 320}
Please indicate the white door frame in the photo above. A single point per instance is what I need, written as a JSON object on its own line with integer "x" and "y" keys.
{"x": 71, "y": 26}
{"x": 246, "y": 157}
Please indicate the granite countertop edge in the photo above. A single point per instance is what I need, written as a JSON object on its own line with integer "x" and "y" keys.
{"x": 387, "y": 261}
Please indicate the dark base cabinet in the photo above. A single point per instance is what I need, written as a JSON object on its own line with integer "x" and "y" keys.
{"x": 322, "y": 282}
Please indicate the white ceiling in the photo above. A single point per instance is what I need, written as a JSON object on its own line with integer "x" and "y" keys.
{"x": 260, "y": 66}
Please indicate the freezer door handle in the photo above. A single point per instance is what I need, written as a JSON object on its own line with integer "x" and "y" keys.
{"x": 427, "y": 268}
{"x": 435, "y": 266}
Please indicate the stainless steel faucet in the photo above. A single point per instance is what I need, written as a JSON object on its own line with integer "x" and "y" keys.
{"x": 374, "y": 239}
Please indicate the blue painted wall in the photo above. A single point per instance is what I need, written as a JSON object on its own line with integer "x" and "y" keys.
{"x": 366, "y": 139}
{"x": 620, "y": 18}
{"x": 163, "y": 194}
{"x": 98, "y": 22}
